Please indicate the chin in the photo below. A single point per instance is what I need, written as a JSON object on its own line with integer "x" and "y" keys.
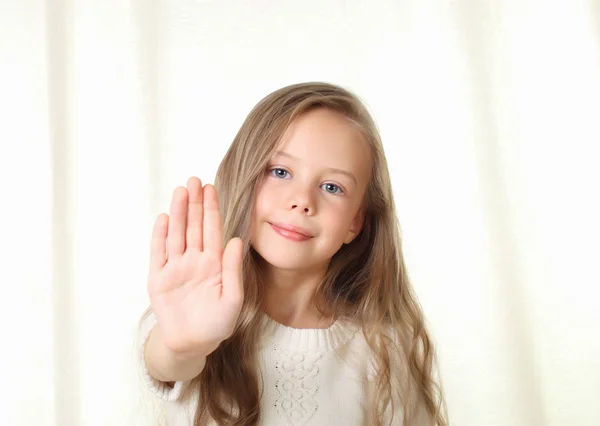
{"x": 282, "y": 258}
{"x": 287, "y": 254}
{"x": 291, "y": 257}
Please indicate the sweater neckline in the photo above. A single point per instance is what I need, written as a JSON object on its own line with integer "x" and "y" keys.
{"x": 307, "y": 339}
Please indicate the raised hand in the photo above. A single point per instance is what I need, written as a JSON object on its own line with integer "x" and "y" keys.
{"x": 195, "y": 286}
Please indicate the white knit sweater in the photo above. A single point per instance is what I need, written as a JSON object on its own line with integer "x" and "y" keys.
{"x": 317, "y": 377}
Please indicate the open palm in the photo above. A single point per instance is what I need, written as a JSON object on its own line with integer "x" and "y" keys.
{"x": 195, "y": 286}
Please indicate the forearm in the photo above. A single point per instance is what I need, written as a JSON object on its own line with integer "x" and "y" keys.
{"x": 167, "y": 366}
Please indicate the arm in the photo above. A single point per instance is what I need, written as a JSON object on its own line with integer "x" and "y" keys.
{"x": 164, "y": 373}
{"x": 167, "y": 366}
{"x": 195, "y": 289}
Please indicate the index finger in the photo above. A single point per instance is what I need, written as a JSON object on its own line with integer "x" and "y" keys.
{"x": 212, "y": 227}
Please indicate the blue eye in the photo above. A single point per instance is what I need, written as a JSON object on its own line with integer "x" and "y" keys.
{"x": 280, "y": 173}
{"x": 332, "y": 189}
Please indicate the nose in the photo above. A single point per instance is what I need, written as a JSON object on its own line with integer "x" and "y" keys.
{"x": 302, "y": 200}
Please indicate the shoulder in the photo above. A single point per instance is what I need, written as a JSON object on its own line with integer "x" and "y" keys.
{"x": 384, "y": 345}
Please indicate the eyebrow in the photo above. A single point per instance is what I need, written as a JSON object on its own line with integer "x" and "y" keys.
{"x": 330, "y": 169}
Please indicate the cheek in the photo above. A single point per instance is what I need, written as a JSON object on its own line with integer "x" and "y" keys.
{"x": 339, "y": 218}
{"x": 265, "y": 200}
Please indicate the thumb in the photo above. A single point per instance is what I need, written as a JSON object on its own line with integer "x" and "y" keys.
{"x": 233, "y": 285}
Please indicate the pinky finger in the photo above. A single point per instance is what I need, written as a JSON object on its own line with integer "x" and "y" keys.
{"x": 158, "y": 246}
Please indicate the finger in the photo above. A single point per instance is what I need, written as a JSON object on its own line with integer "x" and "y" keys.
{"x": 233, "y": 284}
{"x": 194, "y": 215}
{"x": 158, "y": 245}
{"x": 177, "y": 220}
{"x": 212, "y": 234}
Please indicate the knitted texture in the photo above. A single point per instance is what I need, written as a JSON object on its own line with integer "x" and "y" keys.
{"x": 308, "y": 377}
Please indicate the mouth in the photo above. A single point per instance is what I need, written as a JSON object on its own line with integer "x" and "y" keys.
{"x": 291, "y": 232}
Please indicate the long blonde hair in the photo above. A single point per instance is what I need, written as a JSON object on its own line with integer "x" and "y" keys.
{"x": 366, "y": 281}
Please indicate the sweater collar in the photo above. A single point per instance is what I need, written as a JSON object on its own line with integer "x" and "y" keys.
{"x": 307, "y": 339}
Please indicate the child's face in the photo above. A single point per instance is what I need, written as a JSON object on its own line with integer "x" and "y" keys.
{"x": 301, "y": 189}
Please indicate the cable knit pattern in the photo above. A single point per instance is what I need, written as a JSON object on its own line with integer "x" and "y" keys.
{"x": 309, "y": 377}
{"x": 297, "y": 385}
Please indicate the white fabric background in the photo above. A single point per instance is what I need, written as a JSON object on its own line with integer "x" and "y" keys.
{"x": 490, "y": 115}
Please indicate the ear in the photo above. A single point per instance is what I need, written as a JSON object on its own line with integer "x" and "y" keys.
{"x": 355, "y": 226}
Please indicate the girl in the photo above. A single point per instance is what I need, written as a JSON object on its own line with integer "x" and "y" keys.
{"x": 307, "y": 316}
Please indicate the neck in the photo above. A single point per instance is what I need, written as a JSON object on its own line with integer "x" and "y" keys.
{"x": 290, "y": 297}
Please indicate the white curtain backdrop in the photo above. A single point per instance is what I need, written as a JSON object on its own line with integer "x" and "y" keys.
{"x": 490, "y": 115}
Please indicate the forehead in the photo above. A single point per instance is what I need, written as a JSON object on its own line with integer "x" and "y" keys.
{"x": 327, "y": 139}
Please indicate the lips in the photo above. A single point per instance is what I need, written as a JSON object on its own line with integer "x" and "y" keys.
{"x": 291, "y": 232}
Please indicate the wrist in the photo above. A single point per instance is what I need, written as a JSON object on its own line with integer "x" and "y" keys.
{"x": 189, "y": 352}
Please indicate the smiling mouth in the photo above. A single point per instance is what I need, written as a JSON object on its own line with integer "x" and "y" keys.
{"x": 290, "y": 233}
